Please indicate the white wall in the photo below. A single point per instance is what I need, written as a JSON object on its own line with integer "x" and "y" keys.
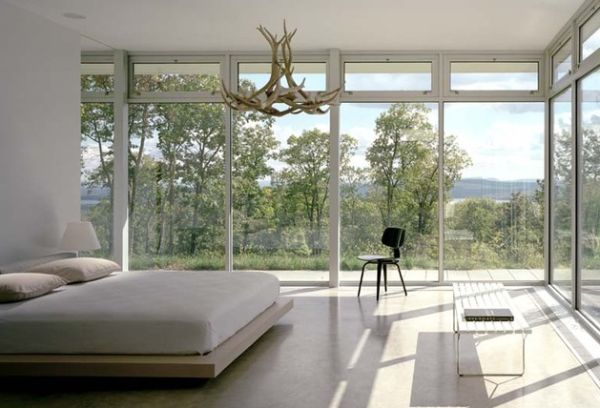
{"x": 39, "y": 133}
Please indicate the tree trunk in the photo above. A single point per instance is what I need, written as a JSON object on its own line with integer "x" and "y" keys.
{"x": 134, "y": 175}
{"x": 159, "y": 212}
{"x": 171, "y": 205}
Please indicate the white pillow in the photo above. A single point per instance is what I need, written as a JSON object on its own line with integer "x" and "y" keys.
{"x": 78, "y": 269}
{"x": 20, "y": 286}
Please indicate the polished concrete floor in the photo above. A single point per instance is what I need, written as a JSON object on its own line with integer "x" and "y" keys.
{"x": 334, "y": 350}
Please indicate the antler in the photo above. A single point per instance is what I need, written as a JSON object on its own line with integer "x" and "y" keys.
{"x": 293, "y": 96}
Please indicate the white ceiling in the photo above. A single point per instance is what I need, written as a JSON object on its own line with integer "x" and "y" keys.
{"x": 217, "y": 25}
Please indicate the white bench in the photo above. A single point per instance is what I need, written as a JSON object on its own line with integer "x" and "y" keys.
{"x": 486, "y": 295}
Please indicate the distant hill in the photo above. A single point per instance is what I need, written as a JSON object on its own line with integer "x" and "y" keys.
{"x": 475, "y": 188}
{"x": 92, "y": 196}
{"x": 494, "y": 189}
{"x": 478, "y": 188}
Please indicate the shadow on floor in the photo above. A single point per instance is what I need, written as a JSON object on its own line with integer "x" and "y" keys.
{"x": 265, "y": 346}
{"x": 435, "y": 381}
{"x": 75, "y": 385}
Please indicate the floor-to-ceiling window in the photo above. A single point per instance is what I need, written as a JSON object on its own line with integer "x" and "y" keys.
{"x": 176, "y": 170}
{"x": 280, "y": 184}
{"x": 561, "y": 202}
{"x": 97, "y": 122}
{"x": 389, "y": 164}
{"x": 589, "y": 172}
{"x": 389, "y": 177}
{"x": 494, "y": 210}
{"x": 575, "y": 163}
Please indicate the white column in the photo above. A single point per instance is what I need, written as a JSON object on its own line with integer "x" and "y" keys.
{"x": 334, "y": 81}
{"x": 226, "y": 75}
{"x": 576, "y": 205}
{"x": 441, "y": 198}
{"x": 548, "y": 189}
{"x": 576, "y": 199}
{"x": 120, "y": 180}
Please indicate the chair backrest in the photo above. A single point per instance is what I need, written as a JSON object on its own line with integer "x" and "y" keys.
{"x": 393, "y": 237}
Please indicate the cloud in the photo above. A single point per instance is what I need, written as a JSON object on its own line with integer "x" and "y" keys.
{"x": 594, "y": 119}
{"x": 364, "y": 137}
{"x": 506, "y": 151}
{"x": 494, "y": 81}
{"x": 369, "y": 105}
{"x": 91, "y": 159}
{"x": 388, "y": 82}
{"x": 517, "y": 108}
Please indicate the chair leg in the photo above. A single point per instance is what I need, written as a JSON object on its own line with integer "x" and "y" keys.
{"x": 401, "y": 278}
{"x": 362, "y": 274}
{"x": 378, "y": 278}
{"x": 385, "y": 276}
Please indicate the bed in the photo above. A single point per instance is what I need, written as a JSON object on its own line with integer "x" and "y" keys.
{"x": 140, "y": 324}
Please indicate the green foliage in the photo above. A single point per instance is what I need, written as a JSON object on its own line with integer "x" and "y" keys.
{"x": 177, "y": 184}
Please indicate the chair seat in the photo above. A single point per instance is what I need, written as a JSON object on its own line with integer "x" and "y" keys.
{"x": 376, "y": 258}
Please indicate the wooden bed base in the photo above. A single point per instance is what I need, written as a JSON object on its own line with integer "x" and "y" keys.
{"x": 194, "y": 366}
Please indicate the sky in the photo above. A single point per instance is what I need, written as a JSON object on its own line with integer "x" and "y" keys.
{"x": 503, "y": 140}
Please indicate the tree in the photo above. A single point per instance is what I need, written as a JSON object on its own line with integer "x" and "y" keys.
{"x": 254, "y": 145}
{"x": 97, "y": 124}
{"x": 480, "y": 216}
{"x": 140, "y": 127}
{"x": 403, "y": 160}
{"x": 307, "y": 177}
{"x": 183, "y": 174}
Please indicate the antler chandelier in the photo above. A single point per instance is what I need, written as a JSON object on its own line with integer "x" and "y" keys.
{"x": 292, "y": 97}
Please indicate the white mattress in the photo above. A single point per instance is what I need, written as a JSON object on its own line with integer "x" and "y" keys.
{"x": 159, "y": 312}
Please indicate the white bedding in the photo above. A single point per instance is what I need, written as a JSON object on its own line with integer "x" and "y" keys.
{"x": 158, "y": 312}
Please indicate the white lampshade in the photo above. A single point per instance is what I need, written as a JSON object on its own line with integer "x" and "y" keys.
{"x": 80, "y": 236}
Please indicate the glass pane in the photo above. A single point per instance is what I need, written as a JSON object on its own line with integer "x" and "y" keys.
{"x": 389, "y": 177}
{"x": 589, "y": 36}
{"x": 590, "y": 181}
{"x": 176, "y": 77}
{"x": 97, "y": 124}
{"x": 176, "y": 186}
{"x": 561, "y": 62}
{"x": 97, "y": 78}
{"x": 257, "y": 74}
{"x": 494, "y": 213}
{"x": 280, "y": 195}
{"x": 387, "y": 76}
{"x": 494, "y": 76}
{"x": 562, "y": 179}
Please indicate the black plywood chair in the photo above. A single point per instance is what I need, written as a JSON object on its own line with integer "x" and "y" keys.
{"x": 393, "y": 237}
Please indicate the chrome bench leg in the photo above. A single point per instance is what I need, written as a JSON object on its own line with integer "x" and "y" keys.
{"x": 518, "y": 374}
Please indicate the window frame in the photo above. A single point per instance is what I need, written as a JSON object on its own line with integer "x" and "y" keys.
{"x": 233, "y": 76}
{"x": 262, "y": 58}
{"x": 507, "y": 95}
{"x": 393, "y": 95}
{"x": 97, "y": 58}
{"x": 550, "y": 235}
{"x": 197, "y": 96}
{"x": 564, "y": 80}
{"x": 583, "y": 18}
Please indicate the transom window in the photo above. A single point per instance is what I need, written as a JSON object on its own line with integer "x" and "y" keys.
{"x": 97, "y": 78}
{"x": 388, "y": 76}
{"x": 494, "y": 76}
{"x": 589, "y": 36}
{"x": 175, "y": 77}
{"x": 314, "y": 74}
{"x": 561, "y": 62}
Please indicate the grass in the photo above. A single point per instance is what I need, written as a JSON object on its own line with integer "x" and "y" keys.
{"x": 290, "y": 261}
